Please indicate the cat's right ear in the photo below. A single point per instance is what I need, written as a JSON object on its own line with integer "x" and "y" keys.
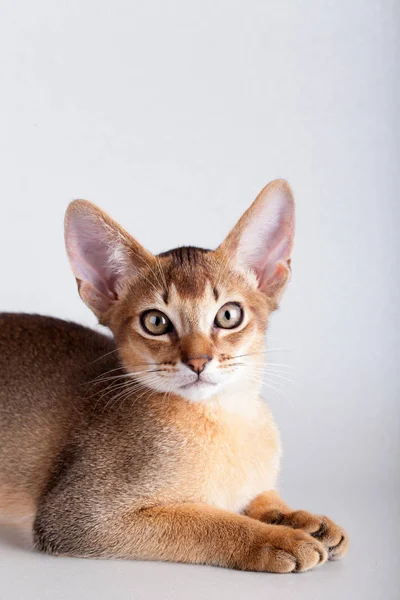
{"x": 102, "y": 255}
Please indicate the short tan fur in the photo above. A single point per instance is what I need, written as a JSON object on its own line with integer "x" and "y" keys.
{"x": 155, "y": 443}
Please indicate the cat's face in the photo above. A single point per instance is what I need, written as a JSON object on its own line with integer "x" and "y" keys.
{"x": 192, "y": 325}
{"x": 189, "y": 322}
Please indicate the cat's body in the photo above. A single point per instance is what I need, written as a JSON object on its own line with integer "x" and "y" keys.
{"x": 156, "y": 444}
{"x": 220, "y": 457}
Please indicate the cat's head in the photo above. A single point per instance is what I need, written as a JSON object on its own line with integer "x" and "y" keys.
{"x": 188, "y": 321}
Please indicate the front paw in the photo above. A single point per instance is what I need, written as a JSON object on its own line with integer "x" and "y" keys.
{"x": 285, "y": 550}
{"x": 333, "y": 537}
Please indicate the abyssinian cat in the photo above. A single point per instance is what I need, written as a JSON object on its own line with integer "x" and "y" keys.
{"x": 155, "y": 444}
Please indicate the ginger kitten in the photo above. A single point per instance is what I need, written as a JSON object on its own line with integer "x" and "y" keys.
{"x": 156, "y": 444}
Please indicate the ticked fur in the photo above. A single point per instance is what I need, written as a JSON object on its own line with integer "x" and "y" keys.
{"x": 157, "y": 445}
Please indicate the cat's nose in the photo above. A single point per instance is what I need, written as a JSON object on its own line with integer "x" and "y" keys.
{"x": 197, "y": 363}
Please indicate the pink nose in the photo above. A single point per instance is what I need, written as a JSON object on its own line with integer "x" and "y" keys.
{"x": 197, "y": 363}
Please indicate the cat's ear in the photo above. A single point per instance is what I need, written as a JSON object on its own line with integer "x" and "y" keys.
{"x": 263, "y": 238}
{"x": 101, "y": 253}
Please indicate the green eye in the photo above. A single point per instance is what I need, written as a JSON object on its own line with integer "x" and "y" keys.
{"x": 155, "y": 322}
{"x": 230, "y": 315}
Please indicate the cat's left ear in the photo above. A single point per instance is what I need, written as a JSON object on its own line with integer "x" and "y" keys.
{"x": 262, "y": 240}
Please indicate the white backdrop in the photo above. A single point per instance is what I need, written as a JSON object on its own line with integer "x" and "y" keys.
{"x": 172, "y": 116}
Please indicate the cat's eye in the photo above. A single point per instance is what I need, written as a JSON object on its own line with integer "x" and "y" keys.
{"x": 155, "y": 322}
{"x": 230, "y": 315}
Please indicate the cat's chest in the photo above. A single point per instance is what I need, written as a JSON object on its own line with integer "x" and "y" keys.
{"x": 240, "y": 459}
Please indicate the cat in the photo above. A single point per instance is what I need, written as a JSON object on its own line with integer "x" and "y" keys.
{"x": 154, "y": 443}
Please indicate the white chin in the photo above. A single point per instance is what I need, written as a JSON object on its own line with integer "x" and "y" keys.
{"x": 198, "y": 391}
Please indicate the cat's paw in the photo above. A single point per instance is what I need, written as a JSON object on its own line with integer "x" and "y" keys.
{"x": 286, "y": 550}
{"x": 333, "y": 537}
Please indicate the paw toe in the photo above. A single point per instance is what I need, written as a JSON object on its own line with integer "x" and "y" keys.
{"x": 337, "y": 551}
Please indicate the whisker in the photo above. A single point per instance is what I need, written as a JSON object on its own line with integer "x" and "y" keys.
{"x": 121, "y": 368}
{"x": 126, "y": 389}
{"x": 103, "y": 356}
{"x": 114, "y": 387}
{"x": 98, "y": 377}
{"x": 268, "y": 384}
{"x": 277, "y": 375}
{"x": 115, "y": 378}
{"x": 257, "y": 353}
{"x": 124, "y": 381}
{"x": 127, "y": 392}
{"x": 152, "y": 393}
{"x": 270, "y": 367}
{"x": 129, "y": 374}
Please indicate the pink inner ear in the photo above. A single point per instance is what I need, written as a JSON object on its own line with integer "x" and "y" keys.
{"x": 89, "y": 250}
{"x": 272, "y": 282}
{"x": 279, "y": 251}
{"x": 267, "y": 237}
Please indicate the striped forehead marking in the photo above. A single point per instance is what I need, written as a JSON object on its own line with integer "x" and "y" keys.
{"x": 192, "y": 314}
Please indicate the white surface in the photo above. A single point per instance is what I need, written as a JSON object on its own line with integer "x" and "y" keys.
{"x": 172, "y": 116}
{"x": 371, "y": 570}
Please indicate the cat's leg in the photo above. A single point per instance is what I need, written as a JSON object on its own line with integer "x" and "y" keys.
{"x": 270, "y": 508}
{"x": 190, "y": 533}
